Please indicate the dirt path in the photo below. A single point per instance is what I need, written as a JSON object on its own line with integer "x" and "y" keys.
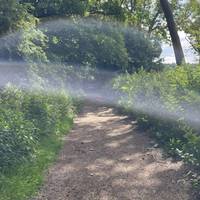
{"x": 106, "y": 158}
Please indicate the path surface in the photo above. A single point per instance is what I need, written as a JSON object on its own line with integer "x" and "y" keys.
{"x": 106, "y": 158}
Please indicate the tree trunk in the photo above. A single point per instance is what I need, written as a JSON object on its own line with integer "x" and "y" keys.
{"x": 178, "y": 51}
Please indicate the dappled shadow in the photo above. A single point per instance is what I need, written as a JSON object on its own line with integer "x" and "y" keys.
{"x": 106, "y": 158}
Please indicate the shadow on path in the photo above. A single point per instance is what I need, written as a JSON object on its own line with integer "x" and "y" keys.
{"x": 106, "y": 158}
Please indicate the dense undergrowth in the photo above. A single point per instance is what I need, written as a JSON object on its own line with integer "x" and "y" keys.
{"x": 32, "y": 124}
{"x": 167, "y": 104}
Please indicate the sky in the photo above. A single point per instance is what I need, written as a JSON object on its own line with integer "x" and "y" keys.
{"x": 168, "y": 52}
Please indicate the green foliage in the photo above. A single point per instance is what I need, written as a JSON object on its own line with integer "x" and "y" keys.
{"x": 113, "y": 9}
{"x": 142, "y": 51}
{"x": 27, "y": 45}
{"x": 32, "y": 45}
{"x": 145, "y": 15}
{"x": 16, "y": 137}
{"x": 102, "y": 45}
{"x": 27, "y": 117}
{"x": 87, "y": 43}
{"x": 14, "y": 16}
{"x": 190, "y": 23}
{"x": 48, "y": 8}
{"x": 24, "y": 181}
{"x": 168, "y": 104}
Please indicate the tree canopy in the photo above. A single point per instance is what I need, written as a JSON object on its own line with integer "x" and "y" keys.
{"x": 144, "y": 15}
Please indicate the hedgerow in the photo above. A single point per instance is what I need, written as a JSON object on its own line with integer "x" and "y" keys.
{"x": 166, "y": 103}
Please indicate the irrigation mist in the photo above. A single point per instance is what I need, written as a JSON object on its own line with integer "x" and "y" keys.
{"x": 94, "y": 86}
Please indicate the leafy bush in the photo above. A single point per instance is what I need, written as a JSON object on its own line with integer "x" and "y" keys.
{"x": 88, "y": 44}
{"x": 102, "y": 45}
{"x": 142, "y": 51}
{"x": 16, "y": 137}
{"x": 47, "y": 8}
{"x": 14, "y": 16}
{"x": 26, "y": 117}
{"x": 168, "y": 104}
{"x": 47, "y": 111}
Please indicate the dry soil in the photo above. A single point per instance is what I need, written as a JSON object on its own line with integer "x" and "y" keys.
{"x": 105, "y": 157}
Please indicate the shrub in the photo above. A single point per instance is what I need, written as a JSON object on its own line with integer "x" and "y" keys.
{"x": 26, "y": 117}
{"x": 168, "y": 104}
{"x": 87, "y": 43}
{"x": 142, "y": 51}
{"x": 102, "y": 45}
{"x": 16, "y": 137}
{"x": 50, "y": 8}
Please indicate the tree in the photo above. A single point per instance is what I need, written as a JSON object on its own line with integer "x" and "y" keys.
{"x": 173, "y": 32}
{"x": 111, "y": 8}
{"x": 13, "y": 16}
{"x": 190, "y": 23}
{"x": 145, "y": 15}
{"x": 48, "y": 8}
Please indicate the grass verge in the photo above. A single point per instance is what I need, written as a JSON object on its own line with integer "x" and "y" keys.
{"x": 24, "y": 181}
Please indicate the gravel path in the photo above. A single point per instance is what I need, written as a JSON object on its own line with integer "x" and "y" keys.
{"x": 106, "y": 158}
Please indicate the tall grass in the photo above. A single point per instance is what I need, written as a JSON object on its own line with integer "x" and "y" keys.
{"x": 32, "y": 125}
